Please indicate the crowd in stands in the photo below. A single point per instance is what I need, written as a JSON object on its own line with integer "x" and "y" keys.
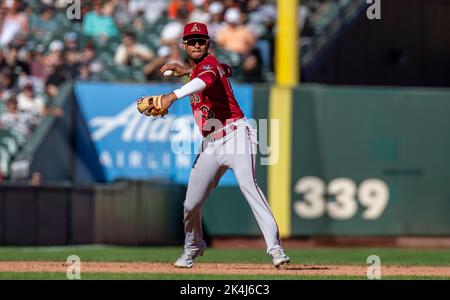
{"x": 42, "y": 45}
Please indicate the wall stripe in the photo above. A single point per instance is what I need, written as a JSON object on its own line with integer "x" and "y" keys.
{"x": 279, "y": 171}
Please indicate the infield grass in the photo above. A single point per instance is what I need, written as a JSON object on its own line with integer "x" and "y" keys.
{"x": 332, "y": 256}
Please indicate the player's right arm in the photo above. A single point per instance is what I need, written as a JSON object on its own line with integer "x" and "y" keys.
{"x": 178, "y": 70}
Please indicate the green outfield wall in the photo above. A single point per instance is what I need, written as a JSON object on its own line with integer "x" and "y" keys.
{"x": 365, "y": 161}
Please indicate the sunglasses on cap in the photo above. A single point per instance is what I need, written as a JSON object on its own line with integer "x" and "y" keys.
{"x": 193, "y": 42}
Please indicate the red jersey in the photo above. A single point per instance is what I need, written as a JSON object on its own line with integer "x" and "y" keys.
{"x": 216, "y": 105}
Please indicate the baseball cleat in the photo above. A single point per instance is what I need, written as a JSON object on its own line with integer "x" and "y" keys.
{"x": 186, "y": 260}
{"x": 279, "y": 258}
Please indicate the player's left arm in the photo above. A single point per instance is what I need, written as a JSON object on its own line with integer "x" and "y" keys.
{"x": 159, "y": 105}
{"x": 194, "y": 86}
{"x": 207, "y": 76}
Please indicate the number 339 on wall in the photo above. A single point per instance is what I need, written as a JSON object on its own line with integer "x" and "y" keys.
{"x": 373, "y": 194}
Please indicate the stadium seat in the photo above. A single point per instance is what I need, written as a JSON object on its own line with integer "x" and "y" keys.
{"x": 139, "y": 76}
{"x": 4, "y": 161}
{"x": 108, "y": 75}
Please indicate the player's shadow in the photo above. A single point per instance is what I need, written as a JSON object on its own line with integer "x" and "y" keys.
{"x": 304, "y": 268}
{"x": 290, "y": 268}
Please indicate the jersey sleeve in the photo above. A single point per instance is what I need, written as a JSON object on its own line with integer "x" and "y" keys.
{"x": 208, "y": 73}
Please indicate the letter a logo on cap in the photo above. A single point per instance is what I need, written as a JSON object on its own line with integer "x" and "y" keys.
{"x": 195, "y": 28}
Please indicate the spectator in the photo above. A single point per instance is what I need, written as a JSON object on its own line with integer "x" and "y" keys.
{"x": 232, "y": 4}
{"x": 88, "y": 54}
{"x": 109, "y": 7}
{"x": 14, "y": 22}
{"x": 85, "y": 73}
{"x": 55, "y": 54}
{"x": 15, "y": 66}
{"x": 46, "y": 23}
{"x": 305, "y": 23}
{"x": 151, "y": 70}
{"x": 29, "y": 102}
{"x": 38, "y": 62}
{"x": 166, "y": 54}
{"x": 261, "y": 20}
{"x": 171, "y": 33}
{"x": 122, "y": 14}
{"x": 132, "y": 53}
{"x": 199, "y": 14}
{"x": 177, "y": 7}
{"x": 237, "y": 38}
{"x": 234, "y": 36}
{"x": 88, "y": 57}
{"x": 261, "y": 17}
{"x": 98, "y": 24}
{"x": 139, "y": 23}
{"x": 70, "y": 41}
{"x": 57, "y": 74}
{"x": 6, "y": 86}
{"x": 152, "y": 10}
{"x": 216, "y": 19}
{"x": 21, "y": 122}
{"x": 20, "y": 42}
{"x": 71, "y": 63}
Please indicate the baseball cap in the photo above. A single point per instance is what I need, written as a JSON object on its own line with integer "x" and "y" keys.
{"x": 56, "y": 45}
{"x": 40, "y": 48}
{"x": 164, "y": 51}
{"x": 172, "y": 31}
{"x": 28, "y": 85}
{"x": 198, "y": 3}
{"x": 70, "y": 36}
{"x": 9, "y": 3}
{"x": 195, "y": 30}
{"x": 45, "y": 7}
{"x": 215, "y": 8}
{"x": 233, "y": 15}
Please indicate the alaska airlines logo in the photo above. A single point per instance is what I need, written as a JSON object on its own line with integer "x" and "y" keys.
{"x": 138, "y": 128}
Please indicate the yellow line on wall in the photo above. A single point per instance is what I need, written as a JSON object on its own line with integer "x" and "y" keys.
{"x": 287, "y": 48}
{"x": 279, "y": 171}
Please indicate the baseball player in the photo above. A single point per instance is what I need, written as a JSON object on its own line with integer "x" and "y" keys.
{"x": 228, "y": 142}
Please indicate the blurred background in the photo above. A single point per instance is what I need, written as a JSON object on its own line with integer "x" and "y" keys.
{"x": 361, "y": 89}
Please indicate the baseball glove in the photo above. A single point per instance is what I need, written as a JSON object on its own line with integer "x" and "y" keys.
{"x": 151, "y": 106}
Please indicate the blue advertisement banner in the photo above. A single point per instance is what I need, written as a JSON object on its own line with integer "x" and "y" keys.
{"x": 132, "y": 146}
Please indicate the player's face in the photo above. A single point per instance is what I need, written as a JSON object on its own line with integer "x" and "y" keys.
{"x": 196, "y": 48}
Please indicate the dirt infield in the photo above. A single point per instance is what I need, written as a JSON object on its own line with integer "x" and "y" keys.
{"x": 224, "y": 268}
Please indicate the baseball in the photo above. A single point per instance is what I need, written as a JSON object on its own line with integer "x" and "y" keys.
{"x": 168, "y": 73}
